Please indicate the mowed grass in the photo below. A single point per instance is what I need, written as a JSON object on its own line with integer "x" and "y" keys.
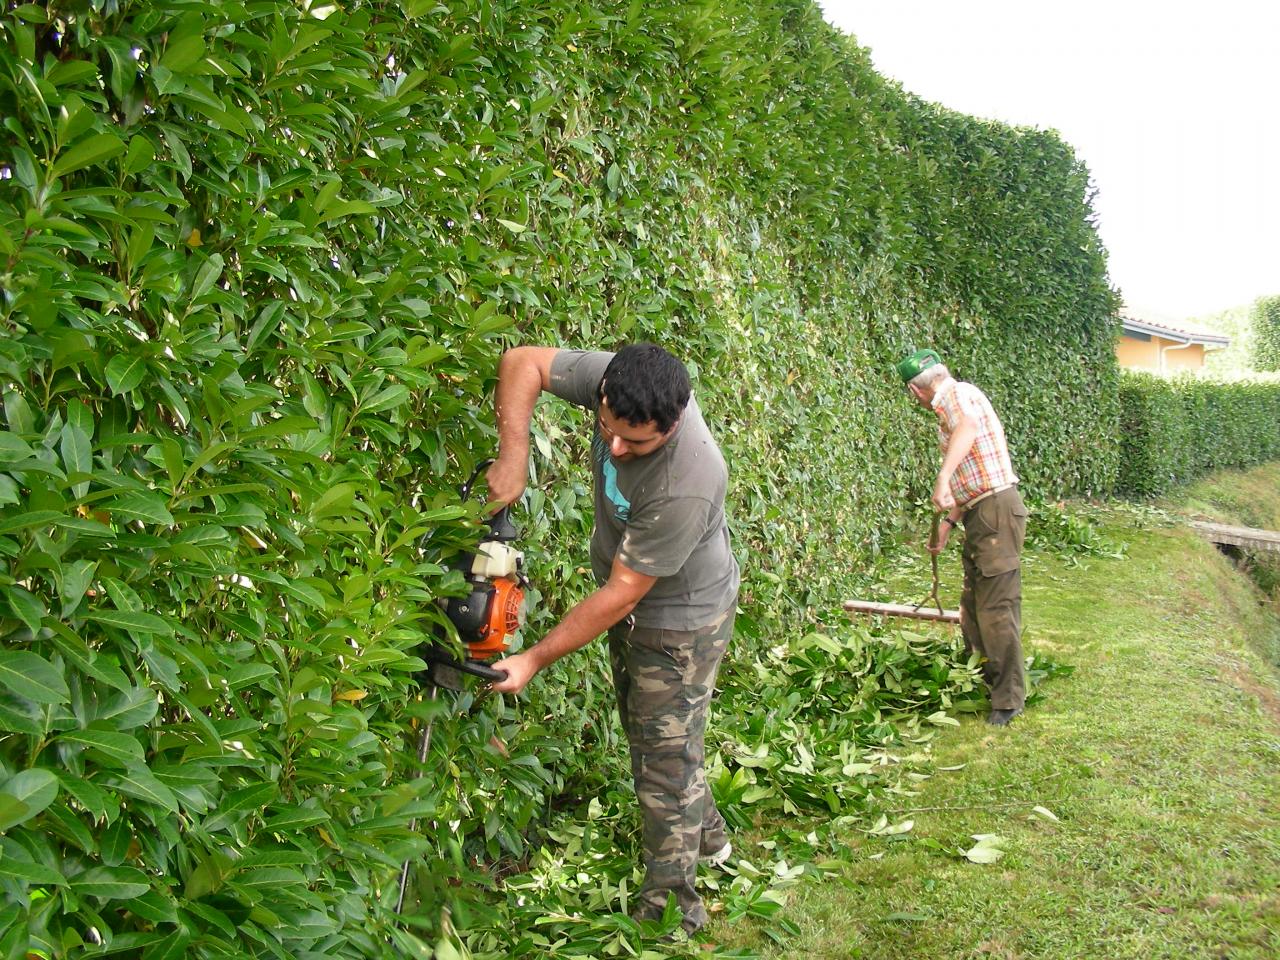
{"x": 1159, "y": 757}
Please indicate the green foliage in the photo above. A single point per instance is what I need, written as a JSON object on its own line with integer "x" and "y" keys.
{"x": 1174, "y": 430}
{"x": 817, "y": 732}
{"x": 1264, "y": 319}
{"x": 835, "y": 705}
{"x": 258, "y": 260}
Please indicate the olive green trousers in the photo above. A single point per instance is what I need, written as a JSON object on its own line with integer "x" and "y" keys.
{"x": 991, "y": 601}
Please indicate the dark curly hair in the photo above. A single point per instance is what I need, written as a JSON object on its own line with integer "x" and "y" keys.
{"x": 643, "y": 382}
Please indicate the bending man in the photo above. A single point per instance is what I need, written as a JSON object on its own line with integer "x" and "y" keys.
{"x": 976, "y": 486}
{"x": 667, "y": 582}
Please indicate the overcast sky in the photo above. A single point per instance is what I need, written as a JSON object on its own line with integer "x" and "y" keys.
{"x": 1173, "y": 106}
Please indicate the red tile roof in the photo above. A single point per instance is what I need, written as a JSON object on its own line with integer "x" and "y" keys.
{"x": 1181, "y": 331}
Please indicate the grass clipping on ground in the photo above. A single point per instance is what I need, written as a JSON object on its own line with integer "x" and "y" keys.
{"x": 1130, "y": 814}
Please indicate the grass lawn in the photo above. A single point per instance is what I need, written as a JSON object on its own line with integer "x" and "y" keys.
{"x": 1159, "y": 758}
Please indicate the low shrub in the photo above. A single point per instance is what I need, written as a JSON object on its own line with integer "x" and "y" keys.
{"x": 1174, "y": 430}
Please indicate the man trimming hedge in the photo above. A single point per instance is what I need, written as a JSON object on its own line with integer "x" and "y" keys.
{"x": 668, "y": 583}
{"x": 976, "y": 486}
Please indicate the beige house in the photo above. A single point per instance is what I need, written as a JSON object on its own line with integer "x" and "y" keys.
{"x": 1165, "y": 348}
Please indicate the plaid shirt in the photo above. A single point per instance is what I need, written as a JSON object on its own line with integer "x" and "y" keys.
{"x": 987, "y": 467}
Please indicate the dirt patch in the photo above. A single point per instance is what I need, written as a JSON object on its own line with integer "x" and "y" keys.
{"x": 1244, "y": 680}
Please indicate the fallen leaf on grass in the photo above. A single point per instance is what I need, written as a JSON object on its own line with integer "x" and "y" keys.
{"x": 986, "y": 850}
{"x": 884, "y": 829}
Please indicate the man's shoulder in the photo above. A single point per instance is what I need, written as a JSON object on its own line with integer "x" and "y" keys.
{"x": 691, "y": 467}
{"x": 697, "y": 458}
{"x": 964, "y": 390}
{"x": 567, "y": 360}
{"x": 576, "y": 374}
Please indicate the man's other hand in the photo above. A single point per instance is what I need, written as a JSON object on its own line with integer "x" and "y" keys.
{"x": 944, "y": 533}
{"x": 519, "y": 669}
{"x": 506, "y": 477}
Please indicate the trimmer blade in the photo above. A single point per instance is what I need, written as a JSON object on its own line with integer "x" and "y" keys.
{"x": 440, "y": 673}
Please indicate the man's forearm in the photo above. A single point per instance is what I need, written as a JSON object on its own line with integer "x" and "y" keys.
{"x": 582, "y": 624}
{"x": 519, "y": 384}
{"x": 523, "y": 373}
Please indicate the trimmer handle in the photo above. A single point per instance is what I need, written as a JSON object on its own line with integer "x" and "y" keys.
{"x": 477, "y": 668}
{"x": 482, "y": 670}
{"x": 501, "y": 527}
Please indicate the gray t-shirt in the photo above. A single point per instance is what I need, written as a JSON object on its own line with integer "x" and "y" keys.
{"x": 661, "y": 514}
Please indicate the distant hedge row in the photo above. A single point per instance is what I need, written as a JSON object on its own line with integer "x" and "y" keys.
{"x": 1172, "y": 431}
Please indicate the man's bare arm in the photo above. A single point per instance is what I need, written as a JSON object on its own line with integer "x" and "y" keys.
{"x": 523, "y": 373}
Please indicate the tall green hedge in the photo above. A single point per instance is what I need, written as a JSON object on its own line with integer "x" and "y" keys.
{"x": 1264, "y": 319}
{"x": 1177, "y": 430}
{"x": 258, "y": 260}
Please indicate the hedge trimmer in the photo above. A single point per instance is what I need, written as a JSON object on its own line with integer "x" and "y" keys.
{"x": 490, "y": 613}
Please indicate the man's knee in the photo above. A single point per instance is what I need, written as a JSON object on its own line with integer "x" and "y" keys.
{"x": 671, "y": 762}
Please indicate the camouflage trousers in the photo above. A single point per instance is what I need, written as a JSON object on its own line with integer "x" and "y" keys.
{"x": 664, "y": 681}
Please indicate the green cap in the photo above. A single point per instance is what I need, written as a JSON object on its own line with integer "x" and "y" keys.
{"x": 916, "y": 363}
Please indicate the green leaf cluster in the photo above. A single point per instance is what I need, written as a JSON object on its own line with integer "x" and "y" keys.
{"x": 257, "y": 262}
{"x": 1175, "y": 430}
{"x": 1072, "y": 534}
{"x": 1237, "y": 358}
{"x": 812, "y": 725}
